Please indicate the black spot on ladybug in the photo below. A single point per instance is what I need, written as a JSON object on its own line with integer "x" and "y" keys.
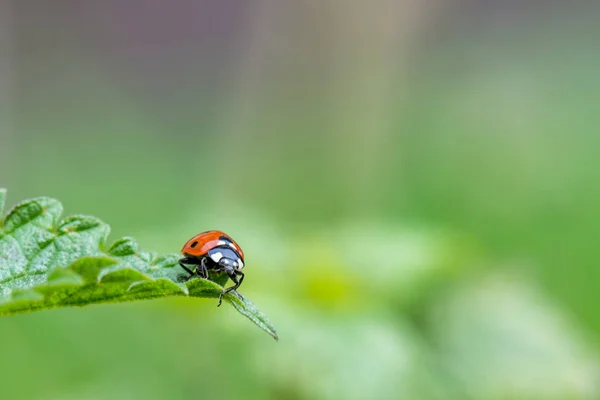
{"x": 194, "y": 245}
{"x": 225, "y": 239}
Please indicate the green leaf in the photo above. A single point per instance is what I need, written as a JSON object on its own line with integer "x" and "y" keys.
{"x": 46, "y": 263}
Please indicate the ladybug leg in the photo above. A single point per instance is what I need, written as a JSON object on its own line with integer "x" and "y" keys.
{"x": 189, "y": 271}
{"x": 241, "y": 274}
{"x": 200, "y": 263}
{"x": 203, "y": 268}
{"x": 233, "y": 277}
{"x": 186, "y": 260}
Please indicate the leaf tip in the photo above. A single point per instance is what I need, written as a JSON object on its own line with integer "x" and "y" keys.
{"x": 245, "y": 307}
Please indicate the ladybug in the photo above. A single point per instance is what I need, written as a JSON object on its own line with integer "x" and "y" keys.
{"x": 214, "y": 251}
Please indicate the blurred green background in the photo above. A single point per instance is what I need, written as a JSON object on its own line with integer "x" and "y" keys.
{"x": 415, "y": 186}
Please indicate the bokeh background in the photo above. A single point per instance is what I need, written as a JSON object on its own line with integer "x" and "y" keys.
{"x": 415, "y": 184}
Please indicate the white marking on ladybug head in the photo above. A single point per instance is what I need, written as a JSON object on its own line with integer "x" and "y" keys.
{"x": 216, "y": 257}
{"x": 240, "y": 264}
{"x": 226, "y": 262}
{"x": 226, "y": 243}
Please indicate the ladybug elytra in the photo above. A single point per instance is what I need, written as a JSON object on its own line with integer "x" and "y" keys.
{"x": 214, "y": 251}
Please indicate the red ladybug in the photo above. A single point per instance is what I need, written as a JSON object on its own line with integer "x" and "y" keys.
{"x": 215, "y": 251}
